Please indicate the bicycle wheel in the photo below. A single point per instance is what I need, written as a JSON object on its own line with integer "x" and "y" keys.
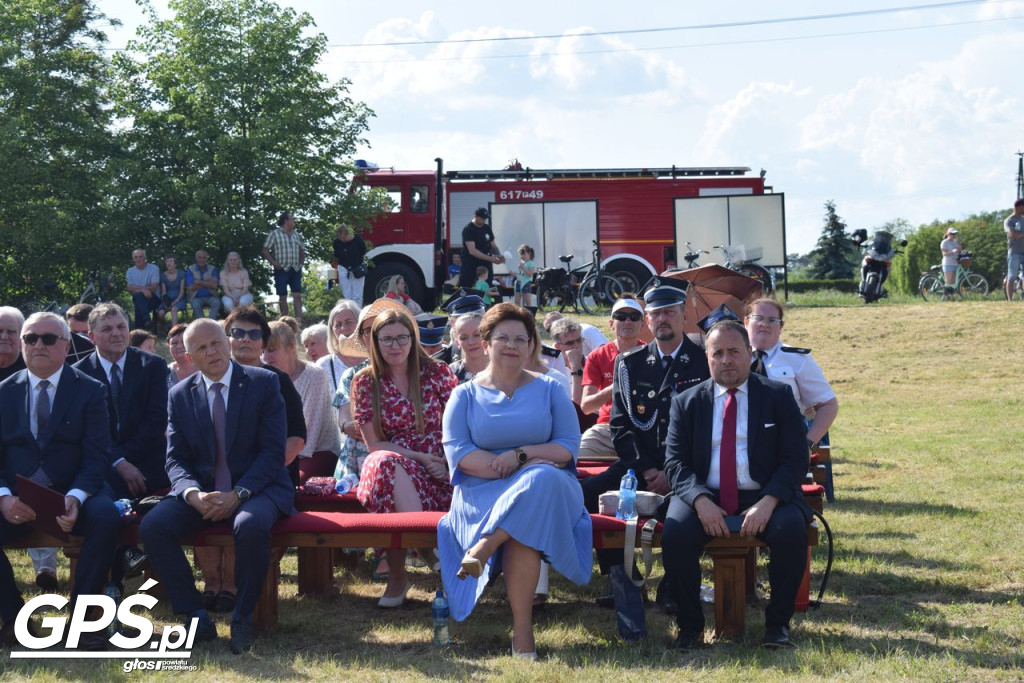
{"x": 973, "y": 287}
{"x": 598, "y": 293}
{"x": 932, "y": 287}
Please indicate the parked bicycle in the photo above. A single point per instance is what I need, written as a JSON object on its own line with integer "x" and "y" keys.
{"x": 92, "y": 294}
{"x": 1018, "y": 287}
{"x": 966, "y": 285}
{"x": 738, "y": 258}
{"x": 588, "y": 286}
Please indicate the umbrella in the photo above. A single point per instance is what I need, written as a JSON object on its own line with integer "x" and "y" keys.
{"x": 711, "y": 286}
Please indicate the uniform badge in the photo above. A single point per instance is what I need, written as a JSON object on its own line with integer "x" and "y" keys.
{"x": 641, "y": 409}
{"x": 650, "y": 394}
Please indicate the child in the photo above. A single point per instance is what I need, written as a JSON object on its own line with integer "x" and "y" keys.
{"x": 484, "y": 287}
{"x": 455, "y": 267}
{"x": 524, "y": 281}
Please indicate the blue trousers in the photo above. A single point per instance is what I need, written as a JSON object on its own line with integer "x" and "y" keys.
{"x": 173, "y": 520}
{"x": 144, "y": 309}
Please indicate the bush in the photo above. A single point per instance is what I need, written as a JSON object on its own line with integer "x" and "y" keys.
{"x": 981, "y": 234}
{"x": 317, "y": 300}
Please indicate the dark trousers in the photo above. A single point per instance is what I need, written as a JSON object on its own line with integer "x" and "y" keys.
{"x": 98, "y": 522}
{"x": 683, "y": 539}
{"x": 165, "y": 526}
{"x": 145, "y": 309}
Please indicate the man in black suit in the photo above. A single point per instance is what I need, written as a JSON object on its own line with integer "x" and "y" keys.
{"x": 225, "y": 458}
{"x": 137, "y": 403}
{"x": 54, "y": 430}
{"x": 736, "y": 445}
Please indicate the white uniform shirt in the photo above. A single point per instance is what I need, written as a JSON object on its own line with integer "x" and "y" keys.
{"x": 802, "y": 374}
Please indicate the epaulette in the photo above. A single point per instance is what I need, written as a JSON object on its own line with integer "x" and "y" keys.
{"x": 633, "y": 351}
{"x": 550, "y": 351}
{"x": 794, "y": 349}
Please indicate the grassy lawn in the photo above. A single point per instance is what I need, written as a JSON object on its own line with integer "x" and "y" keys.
{"x": 928, "y": 582}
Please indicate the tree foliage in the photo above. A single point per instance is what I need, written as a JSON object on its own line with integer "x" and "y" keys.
{"x": 231, "y": 123}
{"x": 835, "y": 255}
{"x": 56, "y": 142}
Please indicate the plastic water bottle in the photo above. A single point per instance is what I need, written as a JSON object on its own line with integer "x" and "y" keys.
{"x": 439, "y": 610}
{"x": 114, "y": 593}
{"x": 347, "y": 483}
{"x": 124, "y": 507}
{"x": 627, "y": 497}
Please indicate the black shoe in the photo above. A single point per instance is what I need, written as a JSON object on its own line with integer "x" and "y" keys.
{"x": 688, "y": 640}
{"x": 94, "y": 642}
{"x": 206, "y": 631}
{"x": 10, "y": 641}
{"x": 241, "y": 634}
{"x": 663, "y": 598}
{"x": 47, "y": 580}
{"x": 133, "y": 561}
{"x": 776, "y": 637}
{"x": 608, "y": 600}
{"x": 223, "y": 603}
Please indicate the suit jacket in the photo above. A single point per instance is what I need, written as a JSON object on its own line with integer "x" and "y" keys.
{"x": 140, "y": 437}
{"x": 254, "y": 436}
{"x": 74, "y": 448}
{"x": 776, "y": 440}
{"x": 641, "y": 393}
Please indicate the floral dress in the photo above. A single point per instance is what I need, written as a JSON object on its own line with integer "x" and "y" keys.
{"x": 398, "y": 422}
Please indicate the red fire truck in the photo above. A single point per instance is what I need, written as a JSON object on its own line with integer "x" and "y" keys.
{"x": 642, "y": 219}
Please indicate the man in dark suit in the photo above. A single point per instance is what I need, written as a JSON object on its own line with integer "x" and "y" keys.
{"x": 225, "y": 458}
{"x": 735, "y": 446}
{"x": 643, "y": 383}
{"x": 137, "y": 403}
{"x": 53, "y": 430}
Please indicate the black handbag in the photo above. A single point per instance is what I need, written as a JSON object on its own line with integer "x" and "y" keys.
{"x": 358, "y": 271}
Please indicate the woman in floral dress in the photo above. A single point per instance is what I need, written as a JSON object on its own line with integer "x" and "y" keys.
{"x": 398, "y": 402}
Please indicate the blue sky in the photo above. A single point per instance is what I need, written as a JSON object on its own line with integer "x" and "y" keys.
{"x": 912, "y": 114}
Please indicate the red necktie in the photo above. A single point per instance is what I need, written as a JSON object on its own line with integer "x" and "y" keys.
{"x": 728, "y": 491}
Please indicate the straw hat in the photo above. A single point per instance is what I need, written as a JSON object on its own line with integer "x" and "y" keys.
{"x": 352, "y": 346}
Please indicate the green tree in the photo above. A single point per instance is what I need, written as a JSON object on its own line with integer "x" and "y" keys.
{"x": 231, "y": 123}
{"x": 835, "y": 255}
{"x": 55, "y": 142}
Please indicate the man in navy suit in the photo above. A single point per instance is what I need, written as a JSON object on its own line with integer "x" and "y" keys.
{"x": 137, "y": 404}
{"x": 225, "y": 458}
{"x": 54, "y": 430}
{"x": 735, "y": 446}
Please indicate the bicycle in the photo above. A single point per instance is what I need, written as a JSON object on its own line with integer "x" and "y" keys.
{"x": 966, "y": 284}
{"x": 588, "y": 286}
{"x": 1018, "y": 287}
{"x": 737, "y": 258}
{"x": 92, "y": 294}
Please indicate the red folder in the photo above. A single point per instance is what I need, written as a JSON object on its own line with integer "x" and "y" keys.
{"x": 47, "y": 504}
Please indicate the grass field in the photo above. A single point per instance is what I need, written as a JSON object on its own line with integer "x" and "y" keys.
{"x": 928, "y": 581}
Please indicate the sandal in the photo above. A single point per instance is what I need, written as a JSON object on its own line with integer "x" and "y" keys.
{"x": 224, "y": 602}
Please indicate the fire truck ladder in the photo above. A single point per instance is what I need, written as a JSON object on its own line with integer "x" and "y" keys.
{"x": 581, "y": 173}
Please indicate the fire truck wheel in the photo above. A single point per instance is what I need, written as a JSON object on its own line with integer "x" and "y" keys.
{"x": 377, "y": 283}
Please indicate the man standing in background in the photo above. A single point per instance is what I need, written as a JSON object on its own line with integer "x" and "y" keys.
{"x": 286, "y": 253}
{"x": 1014, "y": 226}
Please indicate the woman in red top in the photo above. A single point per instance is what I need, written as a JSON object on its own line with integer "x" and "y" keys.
{"x": 398, "y": 402}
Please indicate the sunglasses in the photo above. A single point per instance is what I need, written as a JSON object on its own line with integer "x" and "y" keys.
{"x": 238, "y": 333}
{"x": 632, "y": 317}
{"x": 49, "y": 339}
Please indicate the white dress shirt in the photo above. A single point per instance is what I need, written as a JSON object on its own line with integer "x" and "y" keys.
{"x": 743, "y": 478}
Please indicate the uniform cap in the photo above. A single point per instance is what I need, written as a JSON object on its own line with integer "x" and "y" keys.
{"x": 723, "y": 312}
{"x": 665, "y": 293}
{"x": 471, "y": 303}
{"x": 431, "y": 328}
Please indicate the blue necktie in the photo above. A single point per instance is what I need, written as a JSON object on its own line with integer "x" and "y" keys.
{"x": 221, "y": 472}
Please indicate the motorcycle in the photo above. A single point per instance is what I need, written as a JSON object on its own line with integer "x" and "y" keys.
{"x": 874, "y": 270}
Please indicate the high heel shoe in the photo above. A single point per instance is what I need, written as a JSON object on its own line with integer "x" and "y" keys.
{"x": 470, "y": 567}
{"x": 532, "y": 656}
{"x": 396, "y": 601}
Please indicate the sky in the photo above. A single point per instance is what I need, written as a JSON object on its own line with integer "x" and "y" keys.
{"x": 908, "y": 114}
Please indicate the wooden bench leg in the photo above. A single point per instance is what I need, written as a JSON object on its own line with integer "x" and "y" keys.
{"x": 72, "y": 554}
{"x": 730, "y": 574}
{"x": 803, "y": 593}
{"x": 316, "y": 574}
{"x": 265, "y": 619}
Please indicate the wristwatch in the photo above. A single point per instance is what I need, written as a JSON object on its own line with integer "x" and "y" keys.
{"x": 243, "y": 493}
{"x": 577, "y": 373}
{"x": 523, "y": 457}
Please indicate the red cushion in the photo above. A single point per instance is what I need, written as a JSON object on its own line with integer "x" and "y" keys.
{"x": 347, "y": 522}
{"x": 813, "y": 489}
{"x": 333, "y": 503}
{"x": 814, "y": 458}
{"x": 584, "y": 472}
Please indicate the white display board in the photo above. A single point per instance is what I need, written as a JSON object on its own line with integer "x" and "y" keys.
{"x": 754, "y": 221}
{"x": 553, "y": 229}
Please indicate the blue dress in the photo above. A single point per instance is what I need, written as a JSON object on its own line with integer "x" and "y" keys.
{"x": 540, "y": 506}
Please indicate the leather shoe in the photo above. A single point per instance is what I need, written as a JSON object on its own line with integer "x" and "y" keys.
{"x": 94, "y": 642}
{"x": 133, "y": 561}
{"x": 776, "y": 637}
{"x": 206, "y": 630}
{"x": 688, "y": 640}
{"x": 663, "y": 598}
{"x": 8, "y": 639}
{"x": 47, "y": 580}
{"x": 241, "y": 634}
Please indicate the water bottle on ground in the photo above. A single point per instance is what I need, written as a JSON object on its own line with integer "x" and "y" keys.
{"x": 124, "y": 507}
{"x": 439, "y": 609}
{"x": 347, "y": 483}
{"x": 627, "y": 497}
{"x": 114, "y": 593}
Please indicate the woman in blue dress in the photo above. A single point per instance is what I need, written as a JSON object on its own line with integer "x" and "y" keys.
{"x": 511, "y": 438}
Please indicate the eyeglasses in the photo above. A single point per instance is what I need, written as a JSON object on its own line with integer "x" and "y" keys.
{"x": 365, "y": 331}
{"x": 401, "y": 340}
{"x": 633, "y": 316}
{"x": 239, "y": 333}
{"x": 49, "y": 339}
{"x": 765, "y": 319}
{"x": 510, "y": 341}
{"x": 571, "y": 342}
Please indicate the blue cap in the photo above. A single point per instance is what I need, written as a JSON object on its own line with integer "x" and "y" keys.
{"x": 431, "y": 328}
{"x": 470, "y": 303}
{"x": 723, "y": 312}
{"x": 665, "y": 293}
